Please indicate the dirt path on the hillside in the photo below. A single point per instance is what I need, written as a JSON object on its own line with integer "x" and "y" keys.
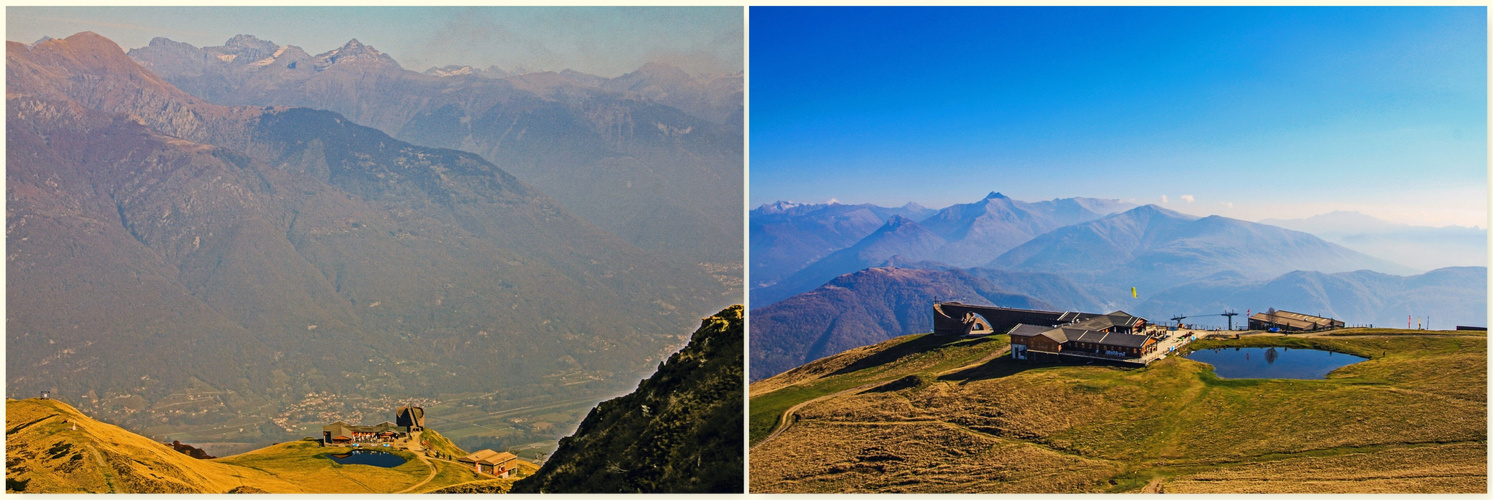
{"x": 991, "y": 357}
{"x": 786, "y": 419}
{"x": 433, "y": 471}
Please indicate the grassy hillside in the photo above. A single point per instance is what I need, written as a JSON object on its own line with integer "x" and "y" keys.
{"x": 489, "y": 485}
{"x": 45, "y": 454}
{"x": 1413, "y": 418}
{"x": 870, "y": 306}
{"x": 679, "y": 432}
{"x": 437, "y": 443}
{"x": 882, "y": 362}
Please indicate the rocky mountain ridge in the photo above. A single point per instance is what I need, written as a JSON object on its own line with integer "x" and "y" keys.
{"x": 653, "y": 156}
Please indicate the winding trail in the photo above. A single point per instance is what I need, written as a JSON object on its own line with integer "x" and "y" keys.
{"x": 786, "y": 419}
{"x": 433, "y": 471}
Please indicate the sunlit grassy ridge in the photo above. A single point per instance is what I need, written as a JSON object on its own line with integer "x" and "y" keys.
{"x": 44, "y": 453}
{"x": 1412, "y": 418}
{"x": 438, "y": 443}
{"x": 877, "y": 363}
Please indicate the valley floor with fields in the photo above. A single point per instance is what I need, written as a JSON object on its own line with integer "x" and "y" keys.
{"x": 935, "y": 414}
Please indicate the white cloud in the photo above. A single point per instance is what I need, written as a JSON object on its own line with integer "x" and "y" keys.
{"x": 833, "y": 201}
{"x": 1229, "y": 204}
{"x": 1163, "y": 199}
{"x": 1187, "y": 198}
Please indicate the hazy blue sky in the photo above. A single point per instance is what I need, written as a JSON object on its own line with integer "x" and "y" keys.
{"x": 1242, "y": 112}
{"x": 602, "y": 41}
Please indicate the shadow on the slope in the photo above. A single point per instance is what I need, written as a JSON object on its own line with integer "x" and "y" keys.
{"x": 922, "y": 344}
{"x": 999, "y": 367}
{"x": 1005, "y": 366}
{"x": 908, "y": 382}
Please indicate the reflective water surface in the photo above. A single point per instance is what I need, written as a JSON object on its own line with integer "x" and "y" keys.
{"x": 368, "y": 457}
{"x": 1273, "y": 362}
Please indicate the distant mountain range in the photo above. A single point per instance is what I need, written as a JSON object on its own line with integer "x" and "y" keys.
{"x": 900, "y": 237}
{"x": 980, "y": 231}
{"x": 654, "y": 156}
{"x": 160, "y": 245}
{"x": 1448, "y": 297}
{"x": 786, "y": 237}
{"x": 1153, "y": 249}
{"x": 1069, "y": 254}
{"x": 961, "y": 235}
{"x": 1418, "y": 247}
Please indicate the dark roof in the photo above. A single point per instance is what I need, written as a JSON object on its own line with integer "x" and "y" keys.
{"x": 1295, "y": 320}
{"x": 1056, "y": 334}
{"x": 410, "y": 415}
{"x": 1107, "y": 339}
{"x": 1025, "y": 330}
{"x": 1111, "y": 320}
{"x": 1070, "y": 317}
{"x": 338, "y": 429}
{"x": 1124, "y": 318}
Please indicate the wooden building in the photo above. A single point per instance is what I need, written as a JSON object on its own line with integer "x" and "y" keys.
{"x": 1115, "y": 322}
{"x": 344, "y": 433}
{"x": 496, "y": 463}
{"x": 956, "y": 318}
{"x": 1288, "y": 321}
{"x": 1032, "y": 342}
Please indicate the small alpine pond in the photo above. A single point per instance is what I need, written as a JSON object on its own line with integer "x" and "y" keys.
{"x": 1273, "y": 362}
{"x": 368, "y": 457}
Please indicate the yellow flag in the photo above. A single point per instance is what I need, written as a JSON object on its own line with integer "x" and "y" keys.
{"x": 1132, "y": 293}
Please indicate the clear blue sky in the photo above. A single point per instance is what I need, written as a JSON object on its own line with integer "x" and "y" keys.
{"x": 603, "y": 41}
{"x": 1244, "y": 112}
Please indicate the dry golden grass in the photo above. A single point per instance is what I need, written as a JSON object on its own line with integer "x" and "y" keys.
{"x": 479, "y": 486}
{"x": 1411, "y": 419}
{"x": 882, "y": 363}
{"x": 45, "y": 454}
{"x": 923, "y": 457}
{"x": 1397, "y": 331}
{"x": 819, "y": 368}
{"x": 1450, "y": 468}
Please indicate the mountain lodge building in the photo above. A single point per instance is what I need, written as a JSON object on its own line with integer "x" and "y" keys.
{"x": 410, "y": 423}
{"x": 1049, "y": 334}
{"x": 343, "y": 433}
{"x": 1030, "y": 342}
{"x": 497, "y": 463}
{"x": 1288, "y": 321}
